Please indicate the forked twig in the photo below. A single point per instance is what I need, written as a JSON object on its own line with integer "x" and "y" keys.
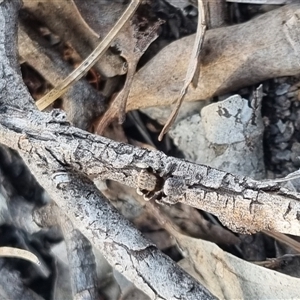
{"x": 79, "y": 72}
{"x": 193, "y": 64}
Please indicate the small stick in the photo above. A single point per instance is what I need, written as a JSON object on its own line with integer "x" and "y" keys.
{"x": 291, "y": 176}
{"x": 79, "y": 72}
{"x": 24, "y": 254}
{"x": 193, "y": 64}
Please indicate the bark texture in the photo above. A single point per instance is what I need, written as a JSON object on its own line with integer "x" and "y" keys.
{"x": 122, "y": 244}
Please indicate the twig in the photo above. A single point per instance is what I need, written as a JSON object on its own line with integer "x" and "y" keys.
{"x": 193, "y": 64}
{"x": 89, "y": 61}
{"x": 24, "y": 254}
{"x": 242, "y": 204}
{"x": 122, "y": 244}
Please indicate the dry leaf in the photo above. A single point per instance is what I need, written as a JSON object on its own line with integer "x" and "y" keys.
{"x": 132, "y": 41}
{"x": 229, "y": 277}
{"x": 233, "y": 57}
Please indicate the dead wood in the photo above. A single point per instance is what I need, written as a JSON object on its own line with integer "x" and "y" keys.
{"x": 63, "y": 157}
{"x": 233, "y": 57}
{"x": 122, "y": 244}
{"x": 242, "y": 204}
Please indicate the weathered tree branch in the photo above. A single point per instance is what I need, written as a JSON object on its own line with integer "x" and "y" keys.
{"x": 242, "y": 204}
{"x": 62, "y": 157}
{"x": 121, "y": 243}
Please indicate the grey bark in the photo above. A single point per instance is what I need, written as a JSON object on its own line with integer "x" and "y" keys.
{"x": 242, "y": 204}
{"x": 122, "y": 244}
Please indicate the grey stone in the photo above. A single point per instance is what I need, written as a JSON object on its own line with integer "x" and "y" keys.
{"x": 282, "y": 89}
{"x": 284, "y": 155}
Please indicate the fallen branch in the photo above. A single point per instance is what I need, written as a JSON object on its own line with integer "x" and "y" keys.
{"x": 122, "y": 244}
{"x": 242, "y": 204}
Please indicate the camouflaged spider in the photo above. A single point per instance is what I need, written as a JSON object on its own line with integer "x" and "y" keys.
{"x": 149, "y": 185}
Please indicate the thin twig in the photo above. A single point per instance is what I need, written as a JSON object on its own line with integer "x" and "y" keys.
{"x": 283, "y": 239}
{"x": 79, "y": 72}
{"x": 193, "y": 64}
{"x": 24, "y": 254}
{"x": 289, "y": 177}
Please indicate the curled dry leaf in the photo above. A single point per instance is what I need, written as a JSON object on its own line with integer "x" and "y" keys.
{"x": 265, "y": 52}
{"x": 133, "y": 40}
{"x": 229, "y": 277}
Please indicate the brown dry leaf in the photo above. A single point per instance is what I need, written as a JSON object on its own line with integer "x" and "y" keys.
{"x": 230, "y": 61}
{"x": 132, "y": 41}
{"x": 229, "y": 277}
{"x": 100, "y": 16}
